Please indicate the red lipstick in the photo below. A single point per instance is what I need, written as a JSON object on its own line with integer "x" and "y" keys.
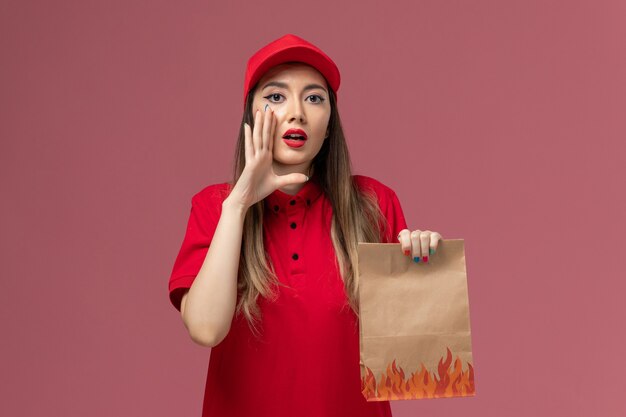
{"x": 297, "y": 132}
{"x": 295, "y": 138}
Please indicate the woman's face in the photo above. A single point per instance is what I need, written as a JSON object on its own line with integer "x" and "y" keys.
{"x": 298, "y": 94}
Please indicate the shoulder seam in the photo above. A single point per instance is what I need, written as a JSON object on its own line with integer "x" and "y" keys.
{"x": 375, "y": 184}
{"x": 212, "y": 191}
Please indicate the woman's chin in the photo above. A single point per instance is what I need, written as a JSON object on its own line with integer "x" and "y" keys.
{"x": 289, "y": 160}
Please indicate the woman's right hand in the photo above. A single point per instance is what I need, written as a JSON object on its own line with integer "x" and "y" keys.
{"x": 258, "y": 179}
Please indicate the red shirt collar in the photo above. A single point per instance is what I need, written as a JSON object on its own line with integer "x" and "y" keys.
{"x": 279, "y": 200}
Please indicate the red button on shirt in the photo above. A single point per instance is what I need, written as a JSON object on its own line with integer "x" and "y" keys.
{"x": 306, "y": 362}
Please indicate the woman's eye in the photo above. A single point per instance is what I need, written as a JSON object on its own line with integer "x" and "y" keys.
{"x": 320, "y": 99}
{"x": 273, "y": 95}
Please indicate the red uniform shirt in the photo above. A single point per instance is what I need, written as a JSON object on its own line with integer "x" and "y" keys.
{"x": 307, "y": 361}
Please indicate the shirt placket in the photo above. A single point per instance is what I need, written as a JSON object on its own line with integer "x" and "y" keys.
{"x": 295, "y": 243}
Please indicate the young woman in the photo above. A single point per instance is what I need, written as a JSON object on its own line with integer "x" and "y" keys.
{"x": 265, "y": 275}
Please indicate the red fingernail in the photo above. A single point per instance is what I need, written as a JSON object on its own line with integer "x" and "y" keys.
{"x": 425, "y": 258}
{"x": 407, "y": 252}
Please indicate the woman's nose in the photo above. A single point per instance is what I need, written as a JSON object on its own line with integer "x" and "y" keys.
{"x": 296, "y": 111}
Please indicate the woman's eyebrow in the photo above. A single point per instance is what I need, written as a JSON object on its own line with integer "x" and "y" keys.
{"x": 284, "y": 85}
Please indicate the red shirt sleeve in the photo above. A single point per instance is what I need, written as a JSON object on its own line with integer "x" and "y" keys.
{"x": 392, "y": 209}
{"x": 206, "y": 208}
{"x": 390, "y": 206}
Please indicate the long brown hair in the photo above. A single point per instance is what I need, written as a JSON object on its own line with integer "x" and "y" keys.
{"x": 356, "y": 218}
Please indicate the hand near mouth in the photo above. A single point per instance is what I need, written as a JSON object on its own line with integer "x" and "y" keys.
{"x": 258, "y": 179}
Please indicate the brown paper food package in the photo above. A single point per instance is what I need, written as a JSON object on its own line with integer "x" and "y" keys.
{"x": 414, "y": 325}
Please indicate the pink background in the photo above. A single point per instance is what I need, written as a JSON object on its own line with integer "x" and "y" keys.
{"x": 498, "y": 122}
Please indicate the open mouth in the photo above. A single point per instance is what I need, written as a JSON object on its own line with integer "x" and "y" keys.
{"x": 295, "y": 134}
{"x": 294, "y": 137}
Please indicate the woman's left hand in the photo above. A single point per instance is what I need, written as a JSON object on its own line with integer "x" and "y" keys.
{"x": 419, "y": 244}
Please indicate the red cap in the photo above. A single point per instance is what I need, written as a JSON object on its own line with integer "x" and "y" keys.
{"x": 289, "y": 48}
